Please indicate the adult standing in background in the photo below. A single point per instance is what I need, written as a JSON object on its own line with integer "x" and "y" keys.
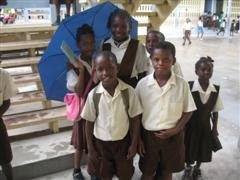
{"x": 57, "y": 4}
{"x": 187, "y": 27}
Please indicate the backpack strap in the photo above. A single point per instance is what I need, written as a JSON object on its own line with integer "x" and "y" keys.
{"x": 96, "y": 99}
{"x": 125, "y": 97}
{"x": 190, "y": 83}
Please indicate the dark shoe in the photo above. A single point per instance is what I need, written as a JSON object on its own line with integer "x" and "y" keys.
{"x": 187, "y": 175}
{"x": 95, "y": 178}
{"x": 197, "y": 175}
{"x": 78, "y": 176}
{"x": 183, "y": 44}
{"x": 189, "y": 43}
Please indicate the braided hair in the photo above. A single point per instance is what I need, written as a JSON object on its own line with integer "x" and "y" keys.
{"x": 204, "y": 60}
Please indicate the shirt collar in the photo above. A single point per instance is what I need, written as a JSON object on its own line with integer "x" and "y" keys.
{"x": 123, "y": 45}
{"x": 197, "y": 87}
{"x": 152, "y": 81}
{"x": 121, "y": 86}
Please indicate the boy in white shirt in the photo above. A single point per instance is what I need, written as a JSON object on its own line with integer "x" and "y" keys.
{"x": 167, "y": 105}
{"x": 110, "y": 110}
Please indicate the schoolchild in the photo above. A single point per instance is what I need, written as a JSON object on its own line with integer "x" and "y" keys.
{"x": 199, "y": 134}
{"x": 167, "y": 105}
{"x": 112, "y": 114}
{"x": 130, "y": 53}
{"x": 77, "y": 80}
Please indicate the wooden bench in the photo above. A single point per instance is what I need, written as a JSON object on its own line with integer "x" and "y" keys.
{"x": 31, "y": 46}
{"x": 26, "y": 78}
{"x": 51, "y": 116}
{"x": 28, "y": 97}
{"x": 19, "y": 62}
{"x": 21, "y": 33}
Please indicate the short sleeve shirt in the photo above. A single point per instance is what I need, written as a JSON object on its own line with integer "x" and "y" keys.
{"x": 163, "y": 106}
{"x": 112, "y": 123}
{"x": 7, "y": 87}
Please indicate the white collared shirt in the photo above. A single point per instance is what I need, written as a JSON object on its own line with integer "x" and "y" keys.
{"x": 72, "y": 77}
{"x": 204, "y": 95}
{"x": 163, "y": 106}
{"x": 7, "y": 87}
{"x": 141, "y": 59}
{"x": 188, "y": 26}
{"x": 112, "y": 123}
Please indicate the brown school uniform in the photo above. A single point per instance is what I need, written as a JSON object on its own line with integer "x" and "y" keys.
{"x": 126, "y": 66}
{"x": 198, "y": 135}
{"x": 78, "y": 139}
{"x": 111, "y": 116}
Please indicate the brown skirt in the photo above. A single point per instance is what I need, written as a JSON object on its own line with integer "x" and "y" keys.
{"x": 5, "y": 148}
{"x": 78, "y": 139}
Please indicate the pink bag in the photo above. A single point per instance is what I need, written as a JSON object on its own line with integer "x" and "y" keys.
{"x": 75, "y": 104}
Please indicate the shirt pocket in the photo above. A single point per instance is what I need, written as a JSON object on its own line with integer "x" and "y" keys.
{"x": 175, "y": 110}
{"x": 1, "y": 98}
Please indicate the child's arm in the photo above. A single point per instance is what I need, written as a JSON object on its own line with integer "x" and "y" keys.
{"x": 135, "y": 132}
{"x": 164, "y": 134}
{"x": 215, "y": 122}
{"x": 4, "y": 107}
{"x": 89, "y": 136}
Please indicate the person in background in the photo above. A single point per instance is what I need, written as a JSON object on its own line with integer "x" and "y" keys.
{"x": 187, "y": 28}
{"x": 57, "y": 4}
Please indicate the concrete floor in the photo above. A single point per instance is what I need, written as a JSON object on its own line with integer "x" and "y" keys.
{"x": 226, "y": 53}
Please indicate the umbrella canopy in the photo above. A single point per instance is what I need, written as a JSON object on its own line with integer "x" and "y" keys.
{"x": 52, "y": 66}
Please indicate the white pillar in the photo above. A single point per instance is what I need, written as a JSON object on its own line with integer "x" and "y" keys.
{"x": 214, "y": 4}
{"x": 229, "y": 12}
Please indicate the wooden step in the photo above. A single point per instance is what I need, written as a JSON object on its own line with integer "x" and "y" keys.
{"x": 35, "y": 117}
{"x": 20, "y": 45}
{"x": 149, "y": 14}
{"x": 28, "y": 97}
{"x": 18, "y": 62}
{"x": 26, "y": 78}
{"x": 25, "y": 29}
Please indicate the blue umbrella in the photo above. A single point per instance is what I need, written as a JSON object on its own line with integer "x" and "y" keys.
{"x": 52, "y": 66}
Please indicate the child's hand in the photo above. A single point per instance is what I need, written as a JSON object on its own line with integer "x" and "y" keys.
{"x": 167, "y": 133}
{"x": 141, "y": 148}
{"x": 80, "y": 66}
{"x": 92, "y": 154}
{"x": 132, "y": 150}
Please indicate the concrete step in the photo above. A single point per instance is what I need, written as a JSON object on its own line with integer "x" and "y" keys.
{"x": 43, "y": 155}
{"x": 225, "y": 163}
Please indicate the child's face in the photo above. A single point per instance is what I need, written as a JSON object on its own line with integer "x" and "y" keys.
{"x": 162, "y": 61}
{"x": 152, "y": 40}
{"x": 86, "y": 45}
{"x": 106, "y": 71}
{"x": 120, "y": 28}
{"x": 204, "y": 71}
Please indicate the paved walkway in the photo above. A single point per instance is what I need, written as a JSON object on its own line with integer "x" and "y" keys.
{"x": 226, "y": 53}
